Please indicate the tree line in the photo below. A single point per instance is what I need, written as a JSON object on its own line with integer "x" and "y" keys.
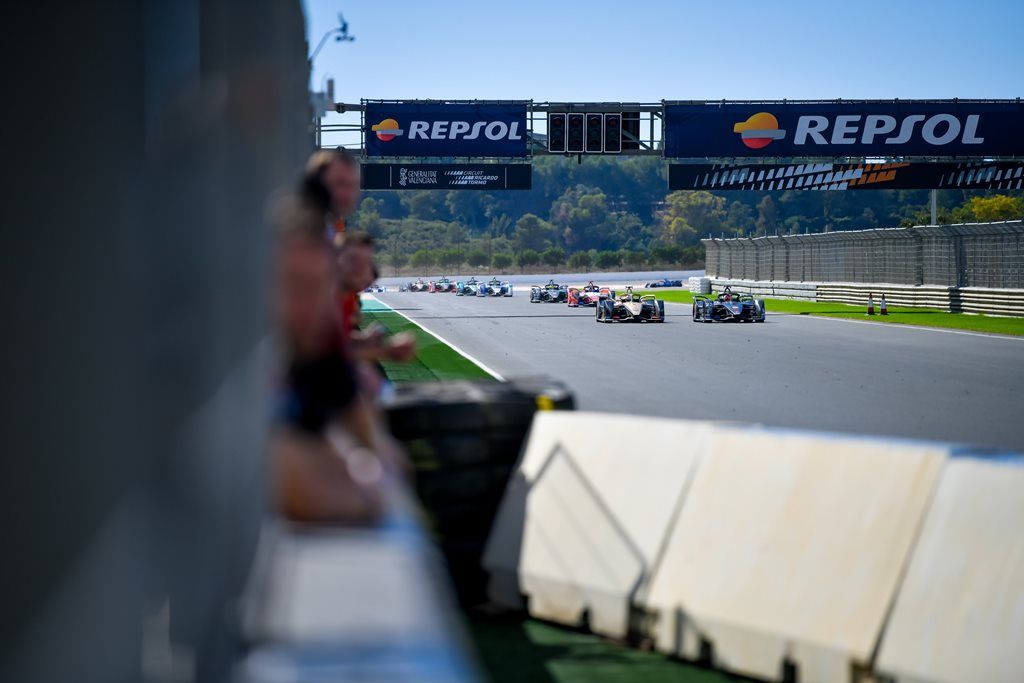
{"x": 607, "y": 213}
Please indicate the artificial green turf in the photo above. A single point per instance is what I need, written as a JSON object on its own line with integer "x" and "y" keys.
{"x": 902, "y": 315}
{"x": 434, "y": 360}
{"x": 515, "y": 651}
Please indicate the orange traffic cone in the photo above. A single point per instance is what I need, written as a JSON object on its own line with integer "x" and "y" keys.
{"x": 871, "y": 303}
{"x": 882, "y": 310}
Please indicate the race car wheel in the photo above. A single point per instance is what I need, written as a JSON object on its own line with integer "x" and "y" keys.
{"x": 599, "y": 312}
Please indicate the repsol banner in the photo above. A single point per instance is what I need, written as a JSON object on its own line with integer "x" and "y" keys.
{"x": 411, "y": 129}
{"x": 832, "y": 129}
{"x": 896, "y": 176}
{"x": 446, "y": 176}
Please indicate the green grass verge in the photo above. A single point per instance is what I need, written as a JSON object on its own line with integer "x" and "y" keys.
{"x": 513, "y": 651}
{"x": 434, "y": 360}
{"x": 898, "y": 315}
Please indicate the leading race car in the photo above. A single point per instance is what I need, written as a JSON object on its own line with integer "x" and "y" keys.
{"x": 468, "y": 288}
{"x": 495, "y": 288}
{"x": 442, "y": 285}
{"x": 588, "y": 295}
{"x": 419, "y": 286}
{"x": 633, "y": 308}
{"x": 375, "y": 288}
{"x": 664, "y": 283}
{"x": 728, "y": 307}
{"x": 550, "y": 293}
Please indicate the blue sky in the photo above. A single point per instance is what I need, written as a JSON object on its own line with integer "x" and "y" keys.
{"x": 646, "y": 51}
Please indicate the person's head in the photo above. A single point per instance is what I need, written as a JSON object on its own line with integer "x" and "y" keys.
{"x": 356, "y": 270}
{"x": 331, "y": 181}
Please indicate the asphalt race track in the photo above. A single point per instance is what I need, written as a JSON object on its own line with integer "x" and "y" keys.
{"x": 791, "y": 371}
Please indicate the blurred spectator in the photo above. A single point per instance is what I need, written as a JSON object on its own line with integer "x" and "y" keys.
{"x": 356, "y": 272}
{"x": 331, "y": 186}
{"x": 330, "y": 459}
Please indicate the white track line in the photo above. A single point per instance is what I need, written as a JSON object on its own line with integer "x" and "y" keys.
{"x": 441, "y": 339}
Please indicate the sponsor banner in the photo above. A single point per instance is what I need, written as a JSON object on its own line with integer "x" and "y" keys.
{"x": 410, "y": 129}
{"x": 834, "y": 129}
{"x": 827, "y": 176}
{"x": 446, "y": 176}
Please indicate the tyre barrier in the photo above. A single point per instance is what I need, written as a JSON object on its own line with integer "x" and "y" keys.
{"x": 464, "y": 439}
{"x": 779, "y": 555}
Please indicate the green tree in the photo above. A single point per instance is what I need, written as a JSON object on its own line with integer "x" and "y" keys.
{"x": 670, "y": 254}
{"x": 477, "y": 257}
{"x": 554, "y": 257}
{"x": 396, "y": 260}
{"x": 998, "y": 207}
{"x": 449, "y": 258}
{"x": 501, "y": 261}
{"x": 767, "y": 216}
{"x": 526, "y": 258}
{"x": 422, "y": 204}
{"x": 689, "y": 215}
{"x": 580, "y": 261}
{"x": 608, "y": 259}
{"x": 532, "y": 233}
{"x": 423, "y": 259}
{"x": 740, "y": 218}
{"x": 633, "y": 258}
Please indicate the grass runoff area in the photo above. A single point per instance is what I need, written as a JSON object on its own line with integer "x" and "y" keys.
{"x": 898, "y": 315}
{"x": 434, "y": 359}
{"x": 513, "y": 651}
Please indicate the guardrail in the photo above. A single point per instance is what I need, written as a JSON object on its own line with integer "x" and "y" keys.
{"x": 984, "y": 300}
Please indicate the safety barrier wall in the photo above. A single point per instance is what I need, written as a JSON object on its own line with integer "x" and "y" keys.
{"x": 778, "y": 554}
{"x": 985, "y": 300}
{"x": 963, "y": 255}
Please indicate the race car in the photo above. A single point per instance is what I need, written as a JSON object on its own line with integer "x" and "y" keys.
{"x": 728, "y": 308}
{"x": 631, "y": 308}
{"x": 419, "y": 286}
{"x": 468, "y": 288}
{"x": 664, "y": 283}
{"x": 375, "y": 288}
{"x": 550, "y": 293}
{"x": 495, "y": 288}
{"x": 588, "y": 295}
{"x": 442, "y": 285}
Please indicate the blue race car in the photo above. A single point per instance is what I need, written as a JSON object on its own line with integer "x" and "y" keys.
{"x": 728, "y": 308}
{"x": 664, "y": 283}
{"x": 469, "y": 288}
{"x": 495, "y": 288}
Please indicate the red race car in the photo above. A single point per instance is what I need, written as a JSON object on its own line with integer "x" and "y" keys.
{"x": 588, "y": 295}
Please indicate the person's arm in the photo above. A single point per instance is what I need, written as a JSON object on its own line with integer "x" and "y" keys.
{"x": 314, "y": 483}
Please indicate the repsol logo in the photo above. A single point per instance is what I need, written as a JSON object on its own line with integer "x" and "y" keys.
{"x": 389, "y": 129}
{"x": 760, "y": 129}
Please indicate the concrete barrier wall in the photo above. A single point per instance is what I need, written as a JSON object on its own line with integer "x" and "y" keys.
{"x": 583, "y": 521}
{"x": 959, "y": 615}
{"x": 775, "y": 554}
{"x": 789, "y": 550}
